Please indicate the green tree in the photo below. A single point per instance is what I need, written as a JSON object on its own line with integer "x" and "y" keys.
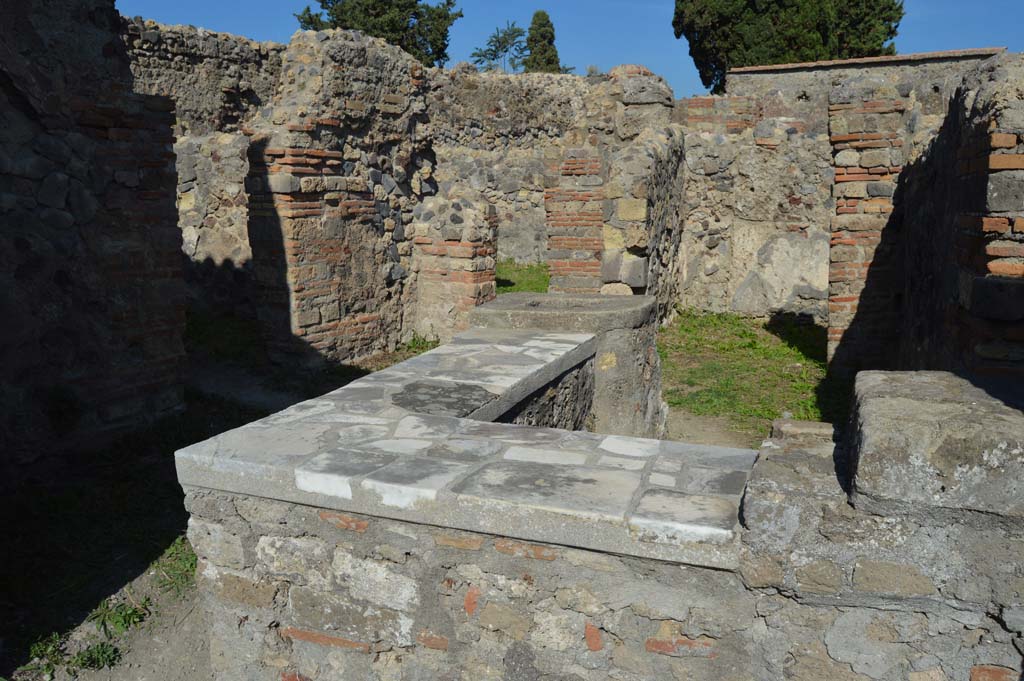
{"x": 505, "y": 49}
{"x": 730, "y": 33}
{"x": 419, "y": 28}
{"x": 540, "y": 43}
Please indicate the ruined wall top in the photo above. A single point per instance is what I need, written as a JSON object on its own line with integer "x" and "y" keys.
{"x": 802, "y": 90}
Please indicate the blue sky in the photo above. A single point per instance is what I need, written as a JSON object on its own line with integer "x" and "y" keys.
{"x": 606, "y": 32}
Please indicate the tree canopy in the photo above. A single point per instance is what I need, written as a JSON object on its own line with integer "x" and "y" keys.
{"x": 731, "y": 33}
{"x": 540, "y": 43}
{"x": 419, "y": 28}
{"x": 505, "y": 49}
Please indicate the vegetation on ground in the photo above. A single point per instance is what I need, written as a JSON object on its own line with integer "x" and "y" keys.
{"x": 419, "y": 28}
{"x": 724, "y": 34}
{"x": 748, "y": 370}
{"x": 175, "y": 570}
{"x": 512, "y": 277}
{"x": 113, "y": 619}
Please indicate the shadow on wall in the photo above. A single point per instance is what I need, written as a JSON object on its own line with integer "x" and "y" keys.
{"x": 908, "y": 289}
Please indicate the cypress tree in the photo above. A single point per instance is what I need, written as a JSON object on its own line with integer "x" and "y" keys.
{"x": 540, "y": 42}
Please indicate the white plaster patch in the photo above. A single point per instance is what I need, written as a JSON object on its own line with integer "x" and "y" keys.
{"x": 668, "y": 532}
{"x": 373, "y": 581}
{"x": 329, "y": 484}
{"x": 619, "y": 462}
{"x": 546, "y": 456}
{"x": 629, "y": 446}
{"x": 399, "y": 496}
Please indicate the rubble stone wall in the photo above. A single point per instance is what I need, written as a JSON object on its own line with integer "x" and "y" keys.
{"x": 923, "y": 591}
{"x": 90, "y": 282}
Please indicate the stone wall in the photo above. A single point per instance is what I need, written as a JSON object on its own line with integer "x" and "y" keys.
{"x": 755, "y": 237}
{"x": 961, "y": 201}
{"x": 91, "y": 277}
{"x": 491, "y": 133}
{"x": 802, "y": 90}
{"x": 870, "y": 562}
{"x": 924, "y": 252}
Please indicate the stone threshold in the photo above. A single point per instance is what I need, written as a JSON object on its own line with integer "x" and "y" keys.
{"x": 415, "y": 442}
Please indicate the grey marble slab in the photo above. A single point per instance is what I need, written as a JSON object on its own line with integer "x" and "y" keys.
{"x": 416, "y": 442}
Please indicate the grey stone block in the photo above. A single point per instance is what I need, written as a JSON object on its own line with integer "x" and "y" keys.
{"x": 932, "y": 439}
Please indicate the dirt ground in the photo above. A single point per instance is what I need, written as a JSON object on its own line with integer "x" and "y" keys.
{"x": 708, "y": 430}
{"x": 172, "y": 645}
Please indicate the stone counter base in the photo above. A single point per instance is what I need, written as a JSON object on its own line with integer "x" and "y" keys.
{"x": 294, "y": 592}
{"x": 298, "y": 592}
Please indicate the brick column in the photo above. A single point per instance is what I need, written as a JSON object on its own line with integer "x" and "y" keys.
{"x": 321, "y": 252}
{"x": 990, "y": 253}
{"x": 574, "y": 213}
{"x": 867, "y": 141}
{"x": 454, "y": 258}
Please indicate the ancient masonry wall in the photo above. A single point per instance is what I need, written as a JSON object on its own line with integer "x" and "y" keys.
{"x": 90, "y": 282}
{"x": 757, "y": 196}
{"x": 893, "y": 277}
{"x": 216, "y": 81}
{"x": 302, "y": 592}
{"x": 963, "y": 285}
{"x": 868, "y": 130}
{"x": 490, "y": 135}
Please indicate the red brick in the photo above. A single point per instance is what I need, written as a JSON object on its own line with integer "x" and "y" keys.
{"x": 471, "y": 601}
{"x": 997, "y": 225}
{"x": 592, "y": 635}
{"x": 1002, "y": 140}
{"x": 323, "y": 639}
{"x": 1007, "y": 268}
{"x": 680, "y": 646}
{"x": 1005, "y": 249}
{"x": 468, "y": 543}
{"x": 1006, "y": 162}
{"x": 431, "y": 640}
{"x": 344, "y": 522}
{"x": 988, "y": 672}
{"x": 522, "y": 550}
{"x": 294, "y": 676}
{"x": 1018, "y": 225}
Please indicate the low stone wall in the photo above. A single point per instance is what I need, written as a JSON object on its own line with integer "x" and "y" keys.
{"x": 310, "y": 593}
{"x": 567, "y": 402}
{"x": 919, "y": 578}
{"x": 627, "y": 370}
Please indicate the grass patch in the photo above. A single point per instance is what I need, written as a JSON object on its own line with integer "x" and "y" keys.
{"x": 748, "y": 370}
{"x": 513, "y": 278}
{"x": 176, "y": 568}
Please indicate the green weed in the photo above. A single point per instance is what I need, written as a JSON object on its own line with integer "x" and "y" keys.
{"x": 96, "y": 656}
{"x": 176, "y": 568}
{"x": 113, "y": 619}
{"x": 47, "y": 654}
